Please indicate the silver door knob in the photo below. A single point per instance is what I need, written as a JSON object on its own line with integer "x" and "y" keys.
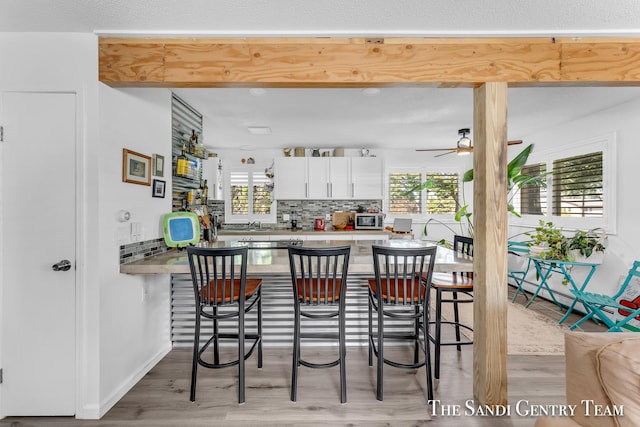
{"x": 63, "y": 265}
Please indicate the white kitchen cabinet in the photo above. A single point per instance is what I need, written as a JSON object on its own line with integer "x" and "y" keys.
{"x": 340, "y": 178}
{"x": 329, "y": 178}
{"x": 318, "y": 178}
{"x": 290, "y": 178}
{"x": 367, "y": 177}
{"x": 337, "y": 178}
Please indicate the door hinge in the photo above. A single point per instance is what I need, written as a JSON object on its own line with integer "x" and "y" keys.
{"x": 1, "y": 133}
{"x": 1, "y": 376}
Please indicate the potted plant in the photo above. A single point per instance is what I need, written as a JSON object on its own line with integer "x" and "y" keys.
{"x": 548, "y": 242}
{"x": 587, "y": 246}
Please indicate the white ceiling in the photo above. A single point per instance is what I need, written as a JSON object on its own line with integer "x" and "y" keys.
{"x": 399, "y": 117}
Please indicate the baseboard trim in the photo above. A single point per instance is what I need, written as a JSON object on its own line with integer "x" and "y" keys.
{"x": 91, "y": 412}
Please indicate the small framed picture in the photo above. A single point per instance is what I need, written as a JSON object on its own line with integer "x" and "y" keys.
{"x": 136, "y": 167}
{"x": 158, "y": 165}
{"x": 158, "y": 188}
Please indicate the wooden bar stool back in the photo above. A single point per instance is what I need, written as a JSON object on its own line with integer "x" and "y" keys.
{"x": 223, "y": 293}
{"x": 319, "y": 282}
{"x": 399, "y": 293}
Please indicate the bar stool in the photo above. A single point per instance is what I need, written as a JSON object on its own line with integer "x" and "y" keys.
{"x": 319, "y": 278}
{"x": 223, "y": 291}
{"x": 455, "y": 285}
{"x": 399, "y": 291}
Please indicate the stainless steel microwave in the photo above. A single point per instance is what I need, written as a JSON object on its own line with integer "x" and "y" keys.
{"x": 369, "y": 221}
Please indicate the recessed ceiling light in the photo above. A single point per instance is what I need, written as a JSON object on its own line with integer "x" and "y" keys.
{"x": 371, "y": 91}
{"x": 257, "y": 91}
{"x": 259, "y": 130}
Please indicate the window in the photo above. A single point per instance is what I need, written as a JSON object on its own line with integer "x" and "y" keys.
{"x": 532, "y": 197}
{"x": 442, "y": 193}
{"x": 439, "y": 197}
{"x": 249, "y": 197}
{"x": 578, "y": 186}
{"x": 580, "y": 182}
{"x": 399, "y": 202}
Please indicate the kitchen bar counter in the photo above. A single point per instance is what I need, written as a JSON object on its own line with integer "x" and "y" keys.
{"x": 265, "y": 261}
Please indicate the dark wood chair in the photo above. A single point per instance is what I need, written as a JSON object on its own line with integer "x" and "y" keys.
{"x": 451, "y": 288}
{"x": 319, "y": 278}
{"x": 399, "y": 293}
{"x": 222, "y": 293}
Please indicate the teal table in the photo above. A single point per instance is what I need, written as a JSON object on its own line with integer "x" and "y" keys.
{"x": 545, "y": 267}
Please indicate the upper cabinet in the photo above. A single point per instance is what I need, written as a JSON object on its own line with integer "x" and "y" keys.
{"x": 339, "y": 178}
{"x": 367, "y": 177}
{"x": 290, "y": 178}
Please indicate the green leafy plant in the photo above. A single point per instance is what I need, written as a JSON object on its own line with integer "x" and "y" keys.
{"x": 586, "y": 243}
{"x": 555, "y": 243}
{"x": 515, "y": 181}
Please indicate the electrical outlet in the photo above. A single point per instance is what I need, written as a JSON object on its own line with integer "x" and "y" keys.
{"x": 327, "y": 217}
{"x": 285, "y": 217}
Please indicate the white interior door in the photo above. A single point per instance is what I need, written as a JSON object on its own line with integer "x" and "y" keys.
{"x": 38, "y": 230}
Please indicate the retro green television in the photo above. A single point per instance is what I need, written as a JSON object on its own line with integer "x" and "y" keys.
{"x": 181, "y": 229}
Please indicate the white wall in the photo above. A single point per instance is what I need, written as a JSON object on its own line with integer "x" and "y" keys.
{"x": 120, "y": 336}
{"x": 134, "y": 317}
{"x": 623, "y": 246}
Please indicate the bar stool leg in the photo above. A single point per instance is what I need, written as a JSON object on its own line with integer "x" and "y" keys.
{"x": 370, "y": 334}
{"x": 380, "y": 354}
{"x": 427, "y": 353}
{"x": 241, "y": 354}
{"x": 416, "y": 334}
{"x": 216, "y": 349}
{"x": 438, "y": 331}
{"x": 194, "y": 363}
{"x": 259, "y": 295}
{"x": 296, "y": 353}
{"x": 343, "y": 354}
{"x": 456, "y": 317}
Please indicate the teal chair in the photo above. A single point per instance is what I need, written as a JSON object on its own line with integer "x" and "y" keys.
{"x": 596, "y": 303}
{"x": 518, "y": 272}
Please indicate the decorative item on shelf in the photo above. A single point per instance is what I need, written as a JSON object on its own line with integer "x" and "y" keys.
{"x": 243, "y": 160}
{"x": 299, "y": 152}
{"x": 287, "y": 152}
{"x": 268, "y": 172}
{"x": 315, "y": 152}
{"x": 250, "y": 161}
{"x": 325, "y": 154}
{"x": 136, "y": 167}
{"x": 338, "y": 152}
{"x": 364, "y": 152}
{"x": 182, "y": 163}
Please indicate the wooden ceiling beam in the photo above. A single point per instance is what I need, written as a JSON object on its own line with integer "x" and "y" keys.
{"x": 360, "y": 62}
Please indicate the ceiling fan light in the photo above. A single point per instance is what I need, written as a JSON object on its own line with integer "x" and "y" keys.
{"x": 464, "y": 151}
{"x": 464, "y": 143}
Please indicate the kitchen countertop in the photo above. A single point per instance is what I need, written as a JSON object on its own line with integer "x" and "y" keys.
{"x": 270, "y": 261}
{"x": 231, "y": 232}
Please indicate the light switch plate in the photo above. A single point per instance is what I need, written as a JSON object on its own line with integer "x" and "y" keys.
{"x": 285, "y": 217}
{"x": 327, "y": 217}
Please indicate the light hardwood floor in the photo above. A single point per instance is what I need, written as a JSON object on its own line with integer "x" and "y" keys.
{"x": 161, "y": 398}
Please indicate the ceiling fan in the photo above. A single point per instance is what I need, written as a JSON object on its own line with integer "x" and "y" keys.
{"x": 464, "y": 145}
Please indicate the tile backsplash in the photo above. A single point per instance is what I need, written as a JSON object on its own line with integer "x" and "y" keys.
{"x": 307, "y": 210}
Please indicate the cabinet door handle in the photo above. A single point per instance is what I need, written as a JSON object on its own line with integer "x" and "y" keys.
{"x": 328, "y": 190}
{"x": 306, "y": 189}
{"x": 353, "y": 190}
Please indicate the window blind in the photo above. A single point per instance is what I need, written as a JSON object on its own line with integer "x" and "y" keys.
{"x": 399, "y": 202}
{"x": 533, "y": 198}
{"x": 578, "y": 186}
{"x": 442, "y": 193}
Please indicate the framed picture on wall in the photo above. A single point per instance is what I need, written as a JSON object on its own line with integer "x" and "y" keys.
{"x": 158, "y": 188}
{"x": 158, "y": 165}
{"x": 136, "y": 167}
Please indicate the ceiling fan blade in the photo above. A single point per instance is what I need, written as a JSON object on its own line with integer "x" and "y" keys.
{"x": 436, "y": 149}
{"x": 514, "y": 142}
{"x": 444, "y": 154}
